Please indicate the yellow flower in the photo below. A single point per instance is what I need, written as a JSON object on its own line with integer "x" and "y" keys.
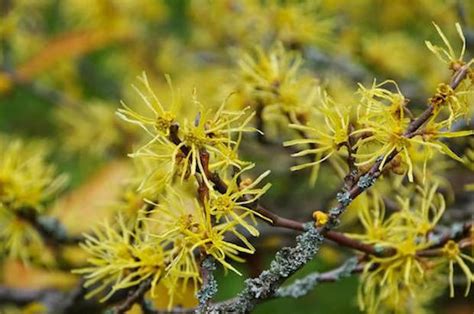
{"x": 383, "y": 122}
{"x": 188, "y": 226}
{"x": 393, "y": 276}
{"x": 377, "y": 101}
{"x": 157, "y": 162}
{"x": 19, "y": 239}
{"x": 452, "y": 253}
{"x": 299, "y": 23}
{"x": 212, "y": 131}
{"x": 93, "y": 128}
{"x": 213, "y": 242}
{"x": 267, "y": 71}
{"x": 447, "y": 55}
{"x": 273, "y": 83}
{"x": 175, "y": 222}
{"x": 26, "y": 180}
{"x": 162, "y": 117}
{"x": 423, "y": 212}
{"x": 121, "y": 259}
{"x": 456, "y": 101}
{"x": 326, "y": 134}
{"x": 399, "y": 277}
{"x": 378, "y": 229}
{"x": 236, "y": 203}
{"x": 434, "y": 131}
{"x": 176, "y": 215}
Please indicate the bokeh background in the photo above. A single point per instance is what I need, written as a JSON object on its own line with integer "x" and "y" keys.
{"x": 66, "y": 64}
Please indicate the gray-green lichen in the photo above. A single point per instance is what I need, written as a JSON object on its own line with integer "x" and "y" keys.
{"x": 287, "y": 261}
{"x": 53, "y": 227}
{"x": 344, "y": 198}
{"x": 306, "y": 284}
{"x": 209, "y": 288}
{"x": 366, "y": 181}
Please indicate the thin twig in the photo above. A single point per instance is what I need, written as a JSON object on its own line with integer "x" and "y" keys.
{"x": 133, "y": 297}
{"x": 49, "y": 228}
{"x": 306, "y": 284}
{"x": 209, "y": 283}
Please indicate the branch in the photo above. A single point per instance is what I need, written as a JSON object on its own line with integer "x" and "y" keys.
{"x": 287, "y": 261}
{"x": 209, "y": 285}
{"x": 133, "y": 297}
{"x": 278, "y": 221}
{"x": 49, "y": 228}
{"x": 334, "y": 236}
{"x": 304, "y": 285}
{"x": 350, "y": 178}
{"x": 455, "y": 233}
{"x": 459, "y": 233}
{"x": 345, "y": 241}
{"x": 21, "y": 296}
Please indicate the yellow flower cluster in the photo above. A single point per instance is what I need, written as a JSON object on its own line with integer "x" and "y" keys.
{"x": 274, "y": 85}
{"x": 26, "y": 180}
{"x": 324, "y": 142}
{"x": 177, "y": 148}
{"x": 121, "y": 259}
{"x": 197, "y": 201}
{"x": 378, "y": 124}
{"x": 192, "y": 227}
{"x": 166, "y": 242}
{"x": 92, "y": 128}
{"x": 26, "y": 183}
{"x": 295, "y": 23}
{"x": 401, "y": 278}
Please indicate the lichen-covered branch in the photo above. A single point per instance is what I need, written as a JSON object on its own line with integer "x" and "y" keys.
{"x": 287, "y": 261}
{"x": 50, "y": 228}
{"x": 209, "y": 285}
{"x": 304, "y": 285}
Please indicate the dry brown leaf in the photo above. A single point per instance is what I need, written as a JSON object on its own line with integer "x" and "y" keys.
{"x": 85, "y": 206}
{"x": 65, "y": 46}
{"x": 18, "y": 275}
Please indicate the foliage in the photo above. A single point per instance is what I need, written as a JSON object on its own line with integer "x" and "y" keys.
{"x": 239, "y": 103}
